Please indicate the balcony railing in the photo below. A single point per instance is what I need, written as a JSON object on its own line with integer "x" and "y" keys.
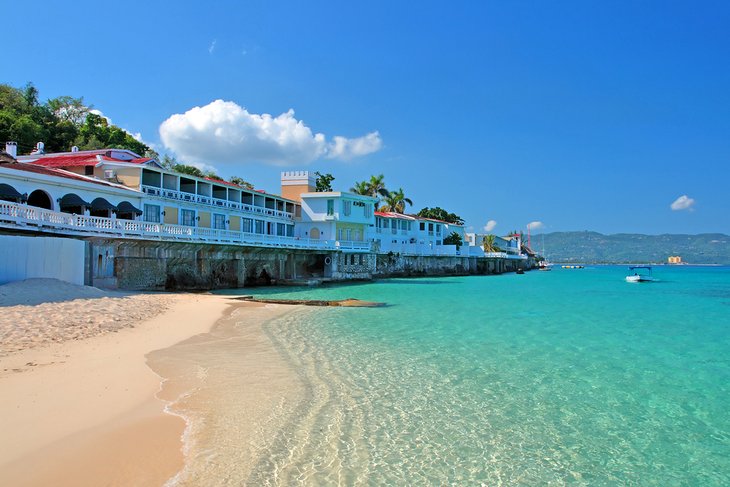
{"x": 13, "y": 215}
{"x": 215, "y": 202}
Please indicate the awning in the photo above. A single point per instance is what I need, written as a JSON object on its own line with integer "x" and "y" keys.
{"x": 7, "y": 192}
{"x": 72, "y": 199}
{"x": 127, "y": 207}
{"x": 100, "y": 204}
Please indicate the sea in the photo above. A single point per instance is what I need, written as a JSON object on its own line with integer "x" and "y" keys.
{"x": 572, "y": 376}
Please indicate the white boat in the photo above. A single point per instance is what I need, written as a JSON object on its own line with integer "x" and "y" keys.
{"x": 642, "y": 273}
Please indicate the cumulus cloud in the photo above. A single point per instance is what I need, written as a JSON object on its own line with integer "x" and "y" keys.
{"x": 490, "y": 225}
{"x": 535, "y": 225}
{"x": 346, "y": 149}
{"x": 684, "y": 202}
{"x": 224, "y": 132}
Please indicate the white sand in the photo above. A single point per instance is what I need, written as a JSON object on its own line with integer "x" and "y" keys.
{"x": 38, "y": 312}
{"x": 84, "y": 412}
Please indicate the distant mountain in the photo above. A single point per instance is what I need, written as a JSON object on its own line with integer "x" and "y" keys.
{"x": 593, "y": 247}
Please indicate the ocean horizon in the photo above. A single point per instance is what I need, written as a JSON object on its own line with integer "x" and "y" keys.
{"x": 570, "y": 376}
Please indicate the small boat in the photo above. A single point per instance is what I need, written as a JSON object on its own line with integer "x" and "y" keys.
{"x": 572, "y": 267}
{"x": 544, "y": 266}
{"x": 642, "y": 273}
{"x": 520, "y": 271}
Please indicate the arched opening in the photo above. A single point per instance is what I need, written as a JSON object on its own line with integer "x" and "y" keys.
{"x": 101, "y": 207}
{"x": 72, "y": 203}
{"x": 8, "y": 193}
{"x": 314, "y": 234}
{"x": 127, "y": 211}
{"x": 40, "y": 199}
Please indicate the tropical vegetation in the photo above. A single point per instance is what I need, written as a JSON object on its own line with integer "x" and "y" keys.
{"x": 454, "y": 239}
{"x": 324, "y": 182}
{"x": 440, "y": 214}
{"x": 60, "y": 123}
{"x": 396, "y": 202}
{"x": 374, "y": 187}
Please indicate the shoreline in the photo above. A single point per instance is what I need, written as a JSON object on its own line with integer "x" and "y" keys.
{"x": 74, "y": 412}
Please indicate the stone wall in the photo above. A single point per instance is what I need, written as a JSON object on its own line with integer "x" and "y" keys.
{"x": 346, "y": 267}
{"x": 150, "y": 265}
{"x": 408, "y": 265}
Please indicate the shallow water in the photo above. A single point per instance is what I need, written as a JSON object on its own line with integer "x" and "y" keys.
{"x": 569, "y": 376}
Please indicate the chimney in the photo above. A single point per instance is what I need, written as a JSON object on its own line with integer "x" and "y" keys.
{"x": 40, "y": 148}
{"x": 294, "y": 183}
{"x": 12, "y": 149}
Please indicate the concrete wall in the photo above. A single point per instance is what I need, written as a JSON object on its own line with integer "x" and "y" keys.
{"x": 48, "y": 257}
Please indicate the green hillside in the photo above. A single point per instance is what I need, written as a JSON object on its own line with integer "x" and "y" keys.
{"x": 593, "y": 247}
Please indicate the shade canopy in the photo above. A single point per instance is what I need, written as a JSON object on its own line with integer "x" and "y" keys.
{"x": 127, "y": 207}
{"x": 100, "y": 204}
{"x": 72, "y": 199}
{"x": 7, "y": 192}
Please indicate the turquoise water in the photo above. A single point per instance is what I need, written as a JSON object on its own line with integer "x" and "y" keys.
{"x": 547, "y": 378}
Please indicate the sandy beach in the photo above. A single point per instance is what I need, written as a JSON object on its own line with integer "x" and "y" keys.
{"x": 79, "y": 404}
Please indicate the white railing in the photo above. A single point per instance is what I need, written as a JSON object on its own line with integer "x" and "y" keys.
{"x": 216, "y": 202}
{"x": 24, "y": 217}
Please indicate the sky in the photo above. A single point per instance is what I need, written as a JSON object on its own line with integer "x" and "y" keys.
{"x": 571, "y": 115}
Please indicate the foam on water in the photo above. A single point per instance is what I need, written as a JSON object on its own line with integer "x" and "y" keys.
{"x": 547, "y": 378}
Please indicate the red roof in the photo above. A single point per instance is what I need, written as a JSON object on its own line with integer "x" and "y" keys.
{"x": 82, "y": 158}
{"x": 71, "y": 160}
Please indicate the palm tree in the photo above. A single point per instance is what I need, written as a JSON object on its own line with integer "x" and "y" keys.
{"x": 396, "y": 201}
{"x": 361, "y": 187}
{"x": 376, "y": 186}
{"x": 488, "y": 243}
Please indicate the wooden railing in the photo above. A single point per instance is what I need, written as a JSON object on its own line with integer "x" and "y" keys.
{"x": 25, "y": 217}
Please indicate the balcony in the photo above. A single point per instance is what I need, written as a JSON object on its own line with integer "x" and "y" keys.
{"x": 214, "y": 202}
{"x": 22, "y": 217}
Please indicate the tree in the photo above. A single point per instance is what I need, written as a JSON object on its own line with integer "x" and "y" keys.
{"x": 454, "y": 239}
{"x": 361, "y": 187}
{"x": 189, "y": 170}
{"x": 441, "y": 214}
{"x": 488, "y": 243}
{"x": 241, "y": 182}
{"x": 324, "y": 182}
{"x": 396, "y": 202}
{"x": 374, "y": 187}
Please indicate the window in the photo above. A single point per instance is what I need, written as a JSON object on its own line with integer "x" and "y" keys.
{"x": 367, "y": 210}
{"x": 330, "y": 207}
{"x": 347, "y": 207}
{"x": 280, "y": 230}
{"x": 430, "y": 227}
{"x": 219, "y": 221}
{"x": 187, "y": 218}
{"x": 423, "y": 226}
{"x": 152, "y": 213}
{"x": 349, "y": 234}
{"x": 290, "y": 230}
{"x": 339, "y": 234}
{"x": 438, "y": 229}
{"x": 259, "y": 226}
{"x": 248, "y": 225}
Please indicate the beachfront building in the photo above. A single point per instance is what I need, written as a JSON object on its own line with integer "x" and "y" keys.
{"x": 414, "y": 235}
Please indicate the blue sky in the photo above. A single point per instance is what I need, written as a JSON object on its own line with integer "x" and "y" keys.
{"x": 580, "y": 115}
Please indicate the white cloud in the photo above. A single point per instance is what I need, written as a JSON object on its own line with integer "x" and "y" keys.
{"x": 345, "y": 149}
{"x": 535, "y": 225}
{"x": 684, "y": 202}
{"x": 226, "y": 133}
{"x": 211, "y": 48}
{"x": 490, "y": 225}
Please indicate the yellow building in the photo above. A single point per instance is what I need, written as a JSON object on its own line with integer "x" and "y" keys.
{"x": 674, "y": 259}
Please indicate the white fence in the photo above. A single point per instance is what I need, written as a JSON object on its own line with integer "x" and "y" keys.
{"x": 31, "y": 218}
{"x": 49, "y": 257}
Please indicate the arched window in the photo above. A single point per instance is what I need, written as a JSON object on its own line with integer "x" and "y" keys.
{"x": 314, "y": 234}
{"x": 40, "y": 199}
